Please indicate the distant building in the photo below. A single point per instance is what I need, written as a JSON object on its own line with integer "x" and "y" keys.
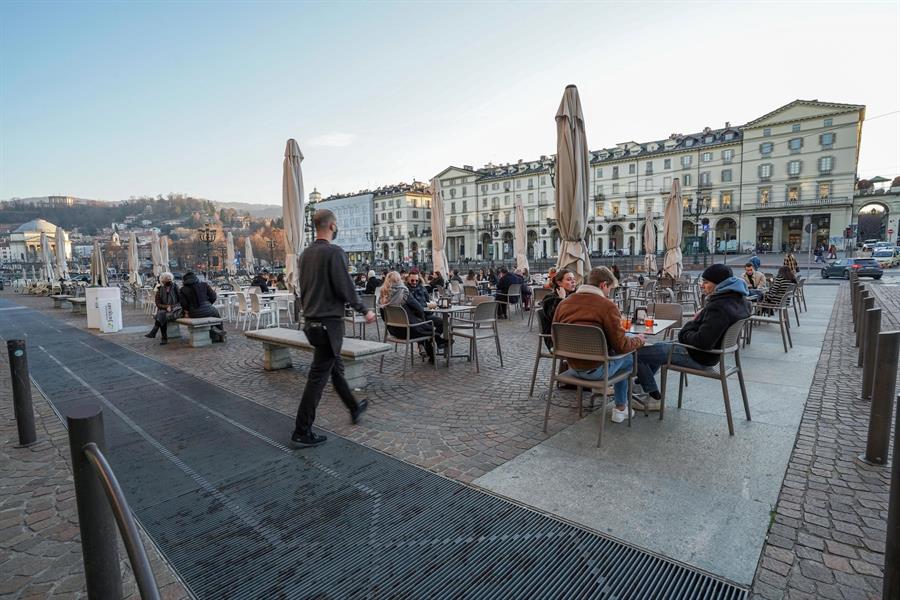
{"x": 25, "y": 241}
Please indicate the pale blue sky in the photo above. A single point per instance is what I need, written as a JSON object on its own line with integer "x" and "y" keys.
{"x": 107, "y": 100}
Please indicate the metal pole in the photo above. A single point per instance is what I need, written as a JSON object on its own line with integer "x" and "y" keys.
{"x": 891, "y": 589}
{"x": 854, "y": 285}
{"x": 865, "y": 303}
{"x": 868, "y": 350}
{"x": 883, "y": 390}
{"x": 21, "y": 385}
{"x": 99, "y": 544}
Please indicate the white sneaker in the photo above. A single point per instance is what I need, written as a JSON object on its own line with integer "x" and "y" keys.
{"x": 620, "y": 416}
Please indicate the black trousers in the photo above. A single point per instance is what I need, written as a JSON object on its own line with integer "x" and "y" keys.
{"x": 326, "y": 337}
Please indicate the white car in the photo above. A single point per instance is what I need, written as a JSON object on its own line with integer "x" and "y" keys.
{"x": 868, "y": 245}
{"x": 886, "y": 256}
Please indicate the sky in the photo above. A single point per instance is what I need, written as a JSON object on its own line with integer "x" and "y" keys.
{"x": 108, "y": 100}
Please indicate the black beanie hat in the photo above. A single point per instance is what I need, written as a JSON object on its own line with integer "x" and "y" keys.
{"x": 717, "y": 273}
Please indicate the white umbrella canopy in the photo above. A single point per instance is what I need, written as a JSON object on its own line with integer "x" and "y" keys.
{"x": 438, "y": 231}
{"x": 46, "y": 257}
{"x": 229, "y": 254}
{"x": 61, "y": 265}
{"x": 134, "y": 277}
{"x": 155, "y": 254}
{"x": 248, "y": 255}
{"x": 164, "y": 251}
{"x": 649, "y": 242}
{"x": 98, "y": 266}
{"x": 571, "y": 189}
{"x": 672, "y": 232}
{"x": 520, "y": 241}
{"x": 292, "y": 210}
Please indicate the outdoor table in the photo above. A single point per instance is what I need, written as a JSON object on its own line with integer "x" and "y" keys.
{"x": 446, "y": 317}
{"x": 659, "y": 327}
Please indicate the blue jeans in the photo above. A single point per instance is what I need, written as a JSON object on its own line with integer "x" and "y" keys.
{"x": 615, "y": 367}
{"x": 757, "y": 293}
{"x": 651, "y": 358}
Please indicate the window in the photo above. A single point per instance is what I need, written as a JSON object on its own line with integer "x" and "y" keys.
{"x": 631, "y": 169}
{"x": 793, "y": 194}
{"x": 427, "y": 214}
{"x": 452, "y": 208}
{"x": 766, "y": 148}
{"x": 544, "y": 178}
{"x": 767, "y": 132}
{"x": 795, "y": 144}
{"x": 765, "y": 171}
{"x": 632, "y": 187}
{"x": 464, "y": 206}
{"x": 415, "y": 214}
{"x": 615, "y": 173}
{"x": 453, "y": 192}
{"x": 686, "y": 161}
{"x": 599, "y": 173}
{"x": 530, "y": 183}
{"x": 667, "y": 163}
{"x": 827, "y": 123}
{"x": 793, "y": 168}
{"x": 452, "y": 221}
{"x": 667, "y": 183}
{"x": 827, "y": 140}
{"x": 687, "y": 179}
{"x": 729, "y": 135}
{"x": 725, "y": 200}
{"x": 795, "y": 127}
{"x": 826, "y": 164}
{"x": 726, "y": 175}
{"x": 530, "y": 215}
{"x": 484, "y": 203}
{"x": 632, "y": 208}
{"x": 495, "y": 186}
{"x": 764, "y": 195}
{"x": 648, "y": 168}
{"x": 648, "y": 185}
{"x": 464, "y": 191}
{"x": 506, "y": 200}
{"x": 824, "y": 190}
{"x": 705, "y": 178}
{"x": 544, "y": 196}
{"x": 530, "y": 197}
{"x": 689, "y": 142}
{"x": 615, "y": 188}
{"x": 727, "y": 156}
{"x": 706, "y": 156}
{"x": 484, "y": 188}
{"x": 398, "y": 214}
{"x": 615, "y": 209}
{"x": 518, "y": 184}
{"x": 598, "y": 209}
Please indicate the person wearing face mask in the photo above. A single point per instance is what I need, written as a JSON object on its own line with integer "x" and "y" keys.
{"x": 325, "y": 288}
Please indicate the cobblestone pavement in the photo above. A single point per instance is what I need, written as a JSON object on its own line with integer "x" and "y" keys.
{"x": 40, "y": 544}
{"x": 828, "y": 532}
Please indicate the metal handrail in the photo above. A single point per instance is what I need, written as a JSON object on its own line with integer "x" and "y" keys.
{"x": 137, "y": 555}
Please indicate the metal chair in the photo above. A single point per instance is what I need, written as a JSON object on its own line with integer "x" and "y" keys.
{"x": 482, "y": 325}
{"x": 780, "y": 315}
{"x": 513, "y": 293}
{"x": 538, "y": 295}
{"x": 469, "y": 292}
{"x": 355, "y": 319}
{"x": 396, "y": 317}
{"x": 669, "y": 312}
{"x": 587, "y": 342}
{"x": 545, "y": 341}
{"x": 730, "y": 345}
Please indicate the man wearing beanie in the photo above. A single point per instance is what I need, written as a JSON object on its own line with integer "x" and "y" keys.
{"x": 724, "y": 306}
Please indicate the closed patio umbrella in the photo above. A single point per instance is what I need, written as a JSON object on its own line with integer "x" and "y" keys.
{"x": 229, "y": 254}
{"x": 571, "y": 187}
{"x": 438, "y": 231}
{"x": 649, "y": 242}
{"x": 47, "y": 258}
{"x": 98, "y": 267}
{"x": 292, "y": 210}
{"x": 248, "y": 255}
{"x": 164, "y": 251}
{"x": 155, "y": 254}
{"x": 672, "y": 232}
{"x": 134, "y": 277}
{"x": 61, "y": 265}
{"x": 520, "y": 241}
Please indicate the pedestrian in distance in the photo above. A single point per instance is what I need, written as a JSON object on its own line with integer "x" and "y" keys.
{"x": 325, "y": 287}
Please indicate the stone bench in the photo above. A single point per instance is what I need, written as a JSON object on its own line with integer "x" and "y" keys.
{"x": 198, "y": 330}
{"x": 354, "y": 353}
{"x": 79, "y": 305}
{"x": 59, "y": 299}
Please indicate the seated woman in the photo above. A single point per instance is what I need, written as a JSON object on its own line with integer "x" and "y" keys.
{"x": 372, "y": 282}
{"x": 471, "y": 279}
{"x": 437, "y": 280}
{"x": 279, "y": 282}
{"x": 562, "y": 284}
{"x": 197, "y": 300}
{"x": 779, "y": 286}
{"x": 395, "y": 293}
{"x": 481, "y": 275}
{"x": 168, "y": 307}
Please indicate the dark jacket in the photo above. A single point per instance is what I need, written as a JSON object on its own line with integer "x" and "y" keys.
{"x": 724, "y": 307}
{"x": 262, "y": 283}
{"x": 419, "y": 293}
{"x": 508, "y": 280}
{"x": 402, "y": 296}
{"x": 166, "y": 297}
{"x": 197, "y": 298}
{"x": 437, "y": 281}
{"x": 371, "y": 284}
{"x": 325, "y": 284}
{"x": 548, "y": 309}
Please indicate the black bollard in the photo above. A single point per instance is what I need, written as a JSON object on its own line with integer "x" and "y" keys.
{"x": 854, "y": 290}
{"x": 99, "y": 543}
{"x": 891, "y": 589}
{"x": 865, "y": 303}
{"x": 883, "y": 390}
{"x": 867, "y": 351}
{"x": 21, "y": 386}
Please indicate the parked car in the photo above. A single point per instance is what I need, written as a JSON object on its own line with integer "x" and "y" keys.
{"x": 869, "y": 244}
{"x": 886, "y": 256}
{"x": 864, "y": 267}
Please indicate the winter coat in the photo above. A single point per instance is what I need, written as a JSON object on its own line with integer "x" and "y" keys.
{"x": 757, "y": 281}
{"x": 167, "y": 296}
{"x": 419, "y": 293}
{"x": 401, "y": 296}
{"x": 724, "y": 307}
{"x": 372, "y": 283}
{"x": 197, "y": 298}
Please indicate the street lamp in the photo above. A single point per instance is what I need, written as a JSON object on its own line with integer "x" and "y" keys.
{"x": 699, "y": 207}
{"x": 208, "y": 235}
{"x": 372, "y": 236}
{"x": 271, "y": 244}
{"x": 492, "y": 226}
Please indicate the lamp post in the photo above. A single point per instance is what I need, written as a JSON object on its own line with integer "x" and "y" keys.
{"x": 207, "y": 235}
{"x": 699, "y": 207}
{"x": 491, "y": 225}
{"x": 271, "y": 244}
{"x": 372, "y": 236}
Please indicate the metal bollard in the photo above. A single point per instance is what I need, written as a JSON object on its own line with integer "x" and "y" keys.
{"x": 867, "y": 351}
{"x": 891, "y": 589}
{"x": 865, "y": 303}
{"x": 857, "y": 299}
{"x": 854, "y": 291}
{"x": 883, "y": 390}
{"x": 99, "y": 544}
{"x": 21, "y": 386}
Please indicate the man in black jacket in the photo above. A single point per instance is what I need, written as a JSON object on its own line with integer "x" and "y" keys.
{"x": 325, "y": 287}
{"x": 197, "y": 300}
{"x": 507, "y": 279}
{"x": 261, "y": 281}
{"x": 725, "y": 305}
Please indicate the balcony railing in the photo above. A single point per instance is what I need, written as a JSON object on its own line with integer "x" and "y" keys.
{"x": 801, "y": 203}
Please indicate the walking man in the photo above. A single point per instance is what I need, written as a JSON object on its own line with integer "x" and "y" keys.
{"x": 325, "y": 287}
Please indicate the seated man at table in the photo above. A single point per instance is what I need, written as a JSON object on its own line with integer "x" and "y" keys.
{"x": 395, "y": 293}
{"x": 725, "y": 305}
{"x": 261, "y": 280}
{"x": 755, "y": 281}
{"x": 590, "y": 305}
{"x": 506, "y": 280}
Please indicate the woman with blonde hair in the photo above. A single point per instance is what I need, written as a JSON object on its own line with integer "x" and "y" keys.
{"x": 395, "y": 293}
